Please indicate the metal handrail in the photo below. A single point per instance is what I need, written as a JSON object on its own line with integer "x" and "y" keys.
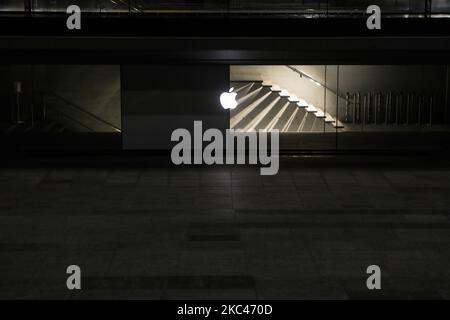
{"x": 60, "y": 113}
{"x": 303, "y": 74}
{"x": 84, "y": 111}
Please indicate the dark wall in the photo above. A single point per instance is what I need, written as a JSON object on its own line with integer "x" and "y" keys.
{"x": 156, "y": 100}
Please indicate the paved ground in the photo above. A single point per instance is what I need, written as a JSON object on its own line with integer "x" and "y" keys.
{"x": 197, "y": 233}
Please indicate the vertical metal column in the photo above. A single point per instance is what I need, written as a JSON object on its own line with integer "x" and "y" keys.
{"x": 325, "y": 99}
{"x": 337, "y": 106}
{"x": 32, "y": 94}
{"x": 400, "y": 109}
{"x": 28, "y": 6}
{"x": 427, "y": 8}
{"x": 419, "y": 113}
{"x": 386, "y": 114}
{"x": 397, "y": 105}
{"x": 358, "y": 108}
{"x": 364, "y": 111}
{"x": 44, "y": 108}
{"x": 408, "y": 104}
{"x": 388, "y": 107}
{"x": 431, "y": 110}
{"x": 446, "y": 105}
{"x": 347, "y": 107}
{"x": 375, "y": 107}
{"x": 15, "y": 111}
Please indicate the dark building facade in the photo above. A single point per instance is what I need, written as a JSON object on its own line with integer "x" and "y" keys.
{"x": 354, "y": 205}
{"x": 137, "y": 70}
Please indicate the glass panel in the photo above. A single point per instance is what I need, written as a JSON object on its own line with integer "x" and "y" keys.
{"x": 42, "y": 103}
{"x": 363, "y": 107}
{"x": 387, "y": 6}
{"x": 284, "y": 5}
{"x": 12, "y": 5}
{"x": 440, "y": 6}
{"x": 181, "y": 6}
{"x": 390, "y": 105}
{"x": 85, "y": 5}
{"x": 229, "y": 5}
{"x": 294, "y": 99}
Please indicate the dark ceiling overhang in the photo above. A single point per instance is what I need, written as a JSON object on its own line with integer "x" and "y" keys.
{"x": 126, "y": 40}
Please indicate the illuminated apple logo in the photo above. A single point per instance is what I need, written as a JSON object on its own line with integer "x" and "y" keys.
{"x": 228, "y": 99}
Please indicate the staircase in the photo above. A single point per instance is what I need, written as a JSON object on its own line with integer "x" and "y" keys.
{"x": 74, "y": 117}
{"x": 58, "y": 115}
{"x": 264, "y": 106}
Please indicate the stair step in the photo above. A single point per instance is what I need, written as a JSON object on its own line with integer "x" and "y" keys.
{"x": 311, "y": 108}
{"x": 275, "y": 88}
{"x": 320, "y": 114}
{"x": 239, "y": 85}
{"x": 338, "y": 125}
{"x": 294, "y": 98}
{"x": 329, "y": 119}
{"x": 284, "y": 94}
{"x": 266, "y": 105}
{"x": 249, "y": 97}
{"x": 302, "y": 103}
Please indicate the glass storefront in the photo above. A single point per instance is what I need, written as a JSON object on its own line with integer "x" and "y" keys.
{"x": 68, "y": 106}
{"x": 314, "y": 107}
{"x": 343, "y": 107}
